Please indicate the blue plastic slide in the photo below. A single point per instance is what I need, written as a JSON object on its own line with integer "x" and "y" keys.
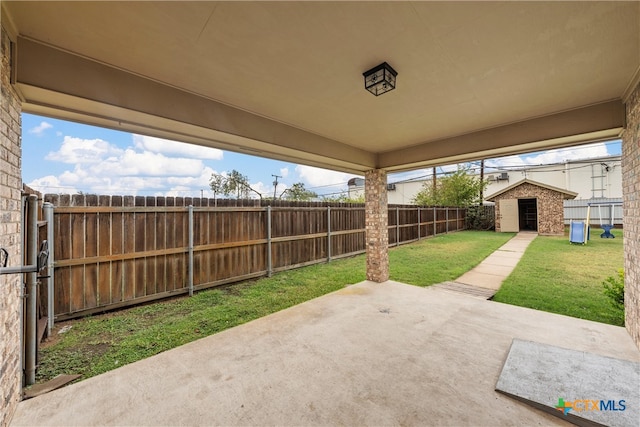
{"x": 576, "y": 232}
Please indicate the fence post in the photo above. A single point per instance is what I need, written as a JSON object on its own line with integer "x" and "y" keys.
{"x": 435, "y": 225}
{"x": 269, "y": 265}
{"x": 418, "y": 223}
{"x": 328, "y": 233}
{"x": 31, "y": 346}
{"x": 466, "y": 223}
{"x": 48, "y": 216}
{"x": 457, "y": 219}
{"x": 397, "y": 226}
{"x": 190, "y": 250}
{"x": 446, "y": 219}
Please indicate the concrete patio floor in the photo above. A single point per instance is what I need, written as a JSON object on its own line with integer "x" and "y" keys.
{"x": 369, "y": 354}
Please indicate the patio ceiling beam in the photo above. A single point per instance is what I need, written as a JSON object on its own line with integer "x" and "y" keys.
{"x": 56, "y": 83}
{"x": 604, "y": 121}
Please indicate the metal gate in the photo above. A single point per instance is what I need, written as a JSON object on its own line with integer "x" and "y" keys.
{"x": 33, "y": 267}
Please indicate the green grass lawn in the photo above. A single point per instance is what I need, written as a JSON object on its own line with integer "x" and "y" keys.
{"x": 100, "y": 343}
{"x": 558, "y": 277}
{"x": 444, "y": 257}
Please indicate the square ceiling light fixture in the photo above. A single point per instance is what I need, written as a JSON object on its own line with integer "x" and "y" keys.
{"x": 380, "y": 79}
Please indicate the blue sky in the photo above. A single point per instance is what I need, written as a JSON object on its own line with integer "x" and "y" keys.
{"x": 66, "y": 157}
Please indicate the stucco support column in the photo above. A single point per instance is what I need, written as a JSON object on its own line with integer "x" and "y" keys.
{"x": 376, "y": 220}
{"x": 631, "y": 195}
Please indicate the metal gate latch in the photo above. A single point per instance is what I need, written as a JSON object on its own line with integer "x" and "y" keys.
{"x": 41, "y": 263}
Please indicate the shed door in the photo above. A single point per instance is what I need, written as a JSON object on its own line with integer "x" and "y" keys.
{"x": 509, "y": 220}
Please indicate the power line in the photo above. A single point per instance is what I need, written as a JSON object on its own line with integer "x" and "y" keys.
{"x": 514, "y": 168}
{"x": 328, "y": 185}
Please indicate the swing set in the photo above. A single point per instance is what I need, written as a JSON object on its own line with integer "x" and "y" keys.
{"x": 580, "y": 231}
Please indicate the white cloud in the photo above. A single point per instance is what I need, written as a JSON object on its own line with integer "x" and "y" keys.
{"x": 200, "y": 180}
{"x": 180, "y": 191}
{"x": 284, "y": 172}
{"x": 570, "y": 153}
{"x": 51, "y": 184}
{"x": 316, "y": 177}
{"x": 40, "y": 129}
{"x": 78, "y": 150}
{"x": 559, "y": 155}
{"x": 265, "y": 189}
{"x": 175, "y": 149}
{"x": 132, "y": 163}
{"x": 73, "y": 178}
{"x": 104, "y": 168}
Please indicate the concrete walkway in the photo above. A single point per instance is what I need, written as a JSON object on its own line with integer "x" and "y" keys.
{"x": 485, "y": 279}
{"x": 369, "y": 354}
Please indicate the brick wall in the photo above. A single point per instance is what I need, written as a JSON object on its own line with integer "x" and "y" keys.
{"x": 549, "y": 205}
{"x": 631, "y": 194}
{"x": 376, "y": 220}
{"x": 10, "y": 186}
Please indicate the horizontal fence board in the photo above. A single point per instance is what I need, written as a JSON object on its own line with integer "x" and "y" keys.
{"x": 124, "y": 256}
{"x": 117, "y": 251}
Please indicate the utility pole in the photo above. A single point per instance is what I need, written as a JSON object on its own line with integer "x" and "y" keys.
{"x": 481, "y": 180}
{"x": 275, "y": 185}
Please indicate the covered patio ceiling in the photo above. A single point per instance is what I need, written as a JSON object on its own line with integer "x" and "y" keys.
{"x": 284, "y": 79}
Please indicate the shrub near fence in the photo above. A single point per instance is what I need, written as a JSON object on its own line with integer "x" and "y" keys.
{"x": 115, "y": 251}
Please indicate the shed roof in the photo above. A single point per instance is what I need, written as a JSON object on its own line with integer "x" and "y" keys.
{"x": 565, "y": 193}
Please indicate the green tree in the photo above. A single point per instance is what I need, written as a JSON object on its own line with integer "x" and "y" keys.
{"x": 298, "y": 192}
{"x": 234, "y": 183}
{"x": 458, "y": 189}
{"x": 216, "y": 182}
{"x": 237, "y": 184}
{"x": 343, "y": 198}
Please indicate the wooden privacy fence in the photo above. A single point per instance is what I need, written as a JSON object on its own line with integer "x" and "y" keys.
{"x": 115, "y": 251}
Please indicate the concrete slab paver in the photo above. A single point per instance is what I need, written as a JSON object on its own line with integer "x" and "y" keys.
{"x": 496, "y": 270}
{"x": 481, "y": 280}
{"x": 594, "y": 388}
{"x": 491, "y": 272}
{"x": 507, "y": 254}
{"x": 496, "y": 259}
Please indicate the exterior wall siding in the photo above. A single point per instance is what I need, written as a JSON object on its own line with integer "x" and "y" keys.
{"x": 550, "y": 205}
{"x": 631, "y": 206}
{"x": 10, "y": 231}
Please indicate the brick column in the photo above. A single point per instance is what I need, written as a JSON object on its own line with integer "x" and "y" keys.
{"x": 10, "y": 193}
{"x": 631, "y": 194}
{"x": 375, "y": 193}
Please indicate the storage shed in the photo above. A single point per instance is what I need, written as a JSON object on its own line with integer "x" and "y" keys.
{"x": 531, "y": 205}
